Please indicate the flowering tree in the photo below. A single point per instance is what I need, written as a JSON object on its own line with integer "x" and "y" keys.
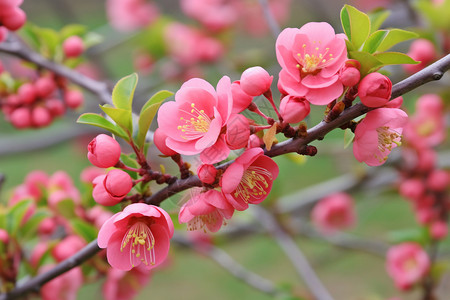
{"x": 220, "y": 143}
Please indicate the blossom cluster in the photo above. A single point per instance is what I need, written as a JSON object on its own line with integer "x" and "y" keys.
{"x": 12, "y": 17}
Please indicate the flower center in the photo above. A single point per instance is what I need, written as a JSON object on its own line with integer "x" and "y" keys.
{"x": 253, "y": 184}
{"x": 311, "y": 63}
{"x": 387, "y": 140}
{"x": 142, "y": 244}
{"x": 195, "y": 126}
{"x": 410, "y": 264}
{"x": 201, "y": 221}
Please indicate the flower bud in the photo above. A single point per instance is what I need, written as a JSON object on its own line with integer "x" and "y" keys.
{"x": 73, "y": 98}
{"x": 118, "y": 183}
{"x": 255, "y": 81}
{"x": 27, "y": 93}
{"x": 438, "y": 230}
{"x": 55, "y": 107}
{"x": 104, "y": 151}
{"x": 101, "y": 195}
{"x": 207, "y": 173}
{"x": 375, "y": 90}
{"x": 349, "y": 76}
{"x": 159, "y": 138}
{"x": 294, "y": 109}
{"x": 15, "y": 19}
{"x": 73, "y": 46}
{"x": 21, "y": 117}
{"x": 40, "y": 117}
{"x": 241, "y": 100}
{"x": 421, "y": 50}
{"x": 412, "y": 188}
{"x": 238, "y": 132}
{"x": 44, "y": 86}
{"x": 67, "y": 247}
{"x": 438, "y": 180}
{"x": 254, "y": 141}
{"x": 4, "y": 236}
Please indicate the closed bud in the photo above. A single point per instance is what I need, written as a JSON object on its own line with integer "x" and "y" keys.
{"x": 241, "y": 100}
{"x": 207, "y": 173}
{"x": 73, "y": 98}
{"x": 104, "y": 151}
{"x": 40, "y": 117}
{"x": 349, "y": 76}
{"x": 118, "y": 183}
{"x": 15, "y": 19}
{"x": 294, "y": 109}
{"x": 375, "y": 90}
{"x": 73, "y": 46}
{"x": 20, "y": 117}
{"x": 255, "y": 81}
{"x": 27, "y": 93}
{"x": 44, "y": 86}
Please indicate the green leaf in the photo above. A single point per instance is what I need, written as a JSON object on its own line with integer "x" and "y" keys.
{"x": 148, "y": 113}
{"x": 356, "y": 25}
{"x": 374, "y": 41}
{"x": 122, "y": 117}
{"x": 72, "y": 29}
{"x": 48, "y": 40}
{"x": 31, "y": 226}
{"x": 394, "y": 37}
{"x": 368, "y": 61}
{"x": 395, "y": 58}
{"x": 130, "y": 161}
{"x": 419, "y": 235}
{"x": 377, "y": 18}
{"x": 15, "y": 215}
{"x": 100, "y": 121}
{"x": 348, "y": 137}
{"x": 66, "y": 208}
{"x": 87, "y": 231}
{"x": 123, "y": 92}
{"x": 91, "y": 39}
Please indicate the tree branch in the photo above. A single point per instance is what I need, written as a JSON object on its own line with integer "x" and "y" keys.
{"x": 297, "y": 258}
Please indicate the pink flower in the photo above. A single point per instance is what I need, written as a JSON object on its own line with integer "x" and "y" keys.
{"x": 104, "y": 151}
{"x": 123, "y": 285}
{"x": 334, "y": 212}
{"x": 68, "y": 247}
{"x": 111, "y": 188}
{"x": 213, "y": 14}
{"x": 421, "y": 50}
{"x": 238, "y": 131}
{"x": 407, "y": 263}
{"x": 90, "y": 173}
{"x": 128, "y": 15}
{"x": 294, "y": 109}
{"x": 377, "y": 134}
{"x": 205, "y": 210}
{"x": 73, "y": 46}
{"x": 159, "y": 138}
{"x": 438, "y": 230}
{"x": 207, "y": 173}
{"x": 255, "y": 81}
{"x": 249, "y": 179}
{"x": 139, "y": 234}
{"x": 310, "y": 58}
{"x": 63, "y": 287}
{"x": 374, "y": 90}
{"x": 241, "y": 100}
{"x": 194, "y": 121}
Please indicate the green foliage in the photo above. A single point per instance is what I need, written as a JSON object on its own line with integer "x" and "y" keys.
{"x": 394, "y": 58}
{"x": 122, "y": 117}
{"x": 437, "y": 15}
{"x": 356, "y": 25}
{"x": 419, "y": 235}
{"x": 123, "y": 92}
{"x": 87, "y": 231}
{"x": 15, "y": 216}
{"x": 100, "y": 121}
{"x": 66, "y": 208}
{"x": 348, "y": 137}
{"x": 29, "y": 229}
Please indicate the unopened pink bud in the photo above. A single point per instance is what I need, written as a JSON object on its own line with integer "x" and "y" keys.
{"x": 421, "y": 50}
{"x": 255, "y": 81}
{"x": 294, "y": 109}
{"x": 375, "y": 90}
{"x": 15, "y": 19}
{"x": 207, "y": 173}
{"x": 100, "y": 195}
{"x": 241, "y": 100}
{"x": 412, "y": 188}
{"x": 4, "y": 236}
{"x": 438, "y": 180}
{"x": 40, "y": 117}
{"x": 44, "y": 86}
{"x": 73, "y": 46}
{"x": 349, "y": 76}
{"x": 68, "y": 247}
{"x": 238, "y": 132}
{"x": 90, "y": 173}
{"x": 73, "y": 98}
{"x": 438, "y": 230}
{"x": 55, "y": 106}
{"x": 27, "y": 92}
{"x": 159, "y": 138}
{"x": 254, "y": 141}
{"x": 47, "y": 226}
{"x": 21, "y": 117}
{"x": 104, "y": 151}
{"x": 118, "y": 183}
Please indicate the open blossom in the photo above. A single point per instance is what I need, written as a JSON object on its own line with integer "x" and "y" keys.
{"x": 139, "y": 234}
{"x": 194, "y": 121}
{"x": 334, "y": 212}
{"x": 213, "y": 14}
{"x": 127, "y": 15}
{"x": 407, "y": 263}
{"x": 123, "y": 285}
{"x": 310, "y": 58}
{"x": 206, "y": 210}
{"x": 249, "y": 179}
{"x": 377, "y": 134}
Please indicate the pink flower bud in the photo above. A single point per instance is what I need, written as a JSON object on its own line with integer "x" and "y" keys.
{"x": 294, "y": 109}
{"x": 207, "y": 173}
{"x": 421, "y": 50}
{"x": 90, "y": 173}
{"x": 349, "y": 76}
{"x": 55, "y": 107}
{"x": 238, "y": 132}
{"x": 412, "y": 188}
{"x": 254, "y": 141}
{"x": 118, "y": 183}
{"x": 438, "y": 180}
{"x": 21, "y": 117}
{"x": 40, "y": 117}
{"x": 4, "y": 236}
{"x": 15, "y": 19}
{"x": 14, "y": 100}
{"x": 1, "y": 67}
{"x": 255, "y": 81}
{"x": 67, "y": 247}
{"x": 241, "y": 100}
{"x": 73, "y": 46}
{"x": 375, "y": 90}
{"x": 438, "y": 230}
{"x": 159, "y": 138}
{"x": 47, "y": 226}
{"x": 73, "y": 98}
{"x": 104, "y": 151}
{"x": 27, "y": 92}
{"x": 3, "y": 33}
{"x": 44, "y": 86}
{"x": 100, "y": 195}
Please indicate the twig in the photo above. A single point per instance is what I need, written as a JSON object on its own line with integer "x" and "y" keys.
{"x": 297, "y": 258}
{"x": 233, "y": 267}
{"x": 273, "y": 25}
{"x": 2, "y": 180}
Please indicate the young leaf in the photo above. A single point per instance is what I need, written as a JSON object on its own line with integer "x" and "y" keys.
{"x": 148, "y": 113}
{"x": 377, "y": 18}
{"x": 123, "y": 92}
{"x": 394, "y": 37}
{"x": 85, "y": 230}
{"x": 367, "y": 60}
{"x": 66, "y": 208}
{"x": 356, "y": 25}
{"x": 31, "y": 226}
{"x": 72, "y": 29}
{"x": 122, "y": 117}
{"x": 395, "y": 58}
{"x": 374, "y": 41}
{"x": 100, "y": 121}
{"x": 130, "y": 161}
{"x": 16, "y": 214}
{"x": 348, "y": 137}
